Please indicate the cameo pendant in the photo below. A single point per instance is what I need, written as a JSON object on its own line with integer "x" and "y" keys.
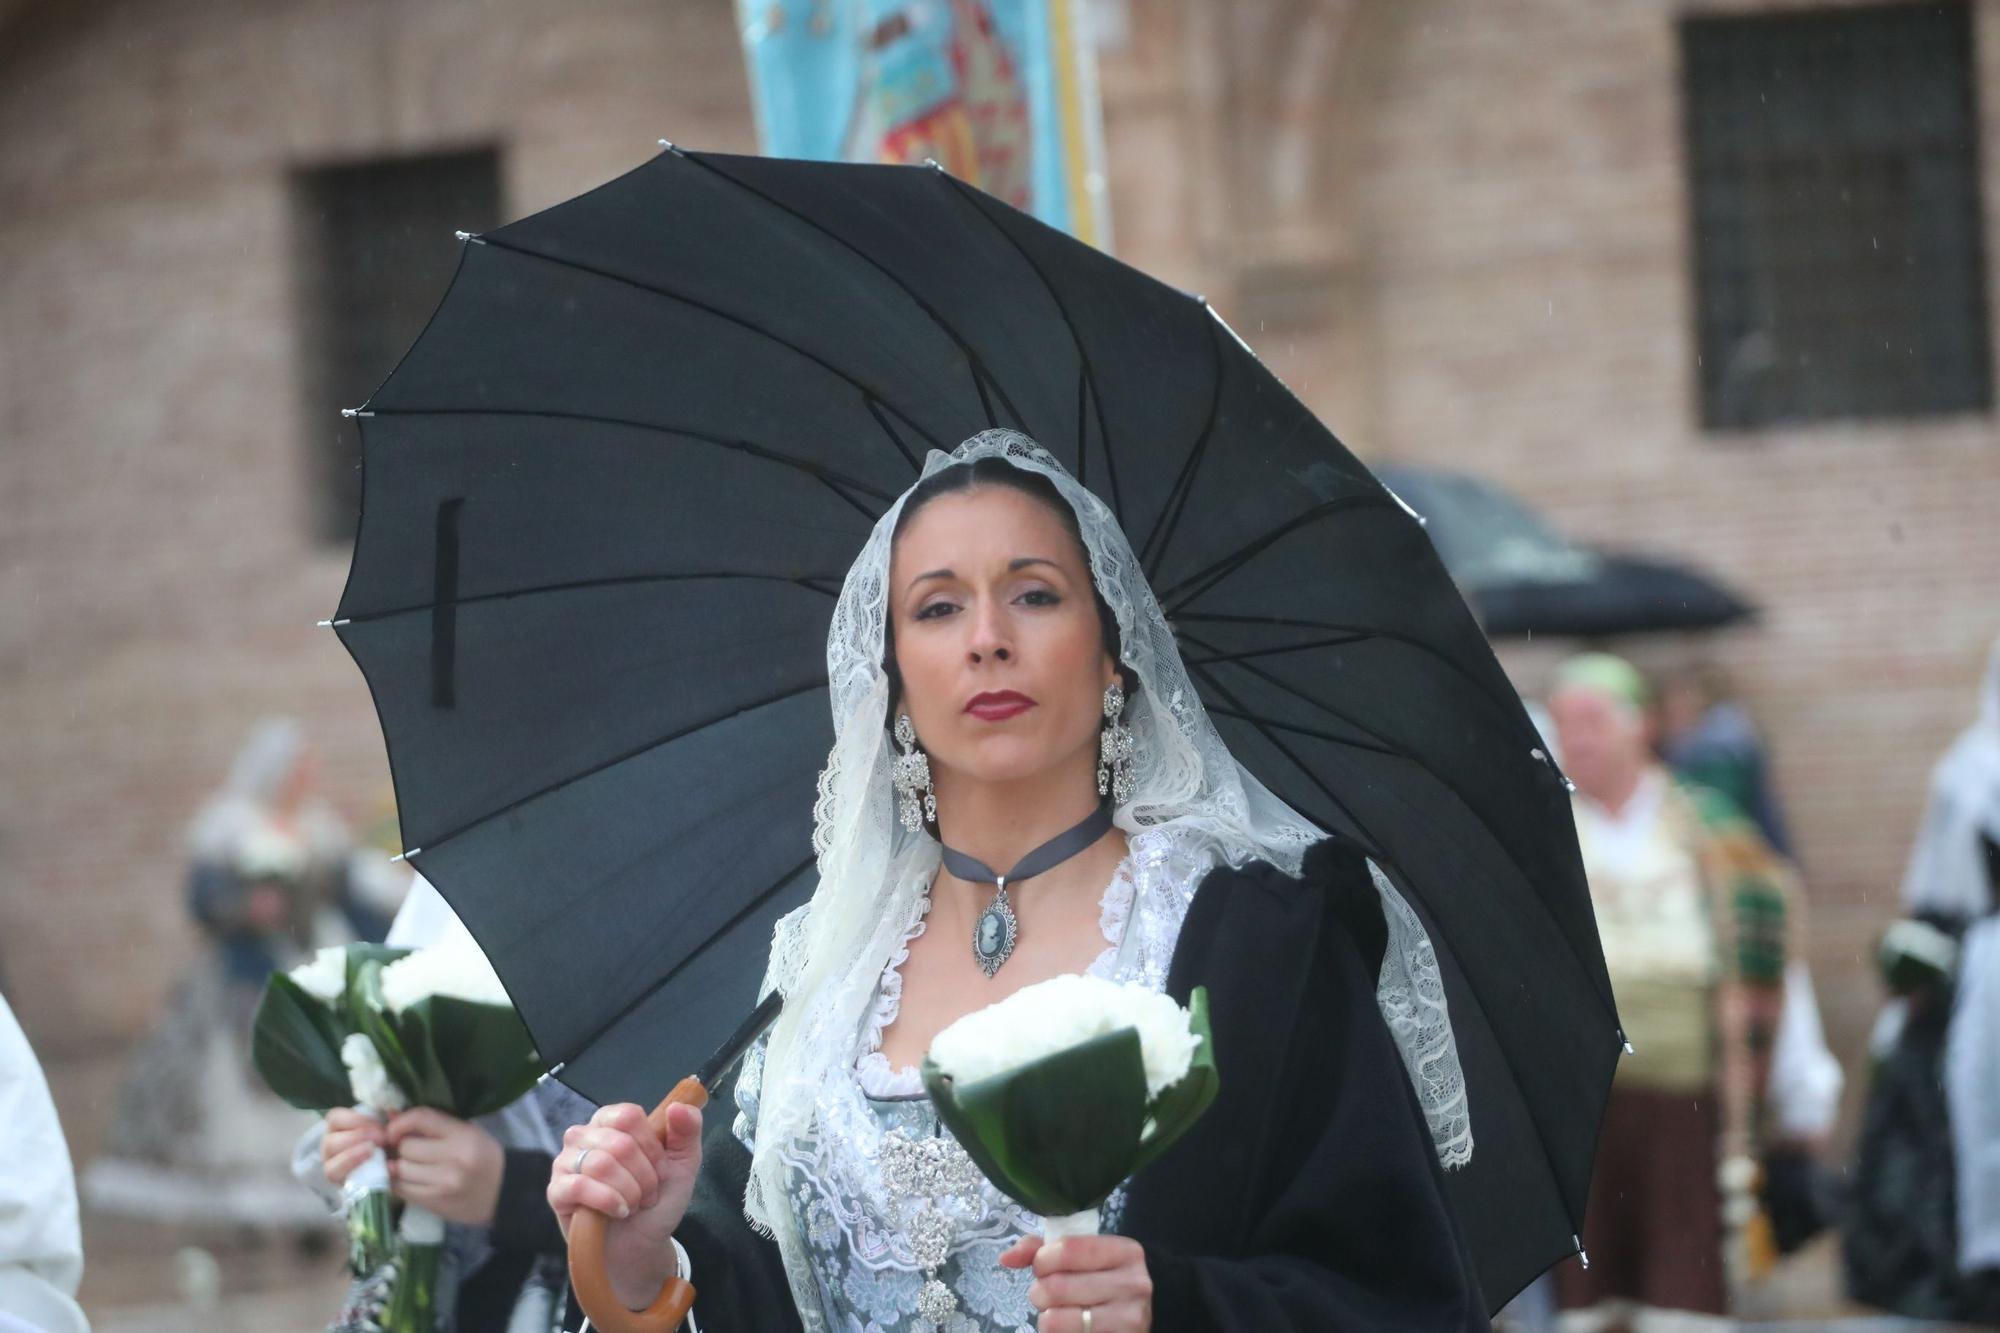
{"x": 994, "y": 933}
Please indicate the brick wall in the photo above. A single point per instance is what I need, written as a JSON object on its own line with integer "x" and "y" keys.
{"x": 1494, "y": 230}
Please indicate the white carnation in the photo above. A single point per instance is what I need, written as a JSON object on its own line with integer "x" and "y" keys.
{"x": 459, "y": 970}
{"x": 371, "y": 1083}
{"x": 1062, "y": 1012}
{"x": 325, "y": 977}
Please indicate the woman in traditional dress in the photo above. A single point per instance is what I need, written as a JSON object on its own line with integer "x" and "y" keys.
{"x": 1008, "y": 697}
{"x": 196, "y": 1136}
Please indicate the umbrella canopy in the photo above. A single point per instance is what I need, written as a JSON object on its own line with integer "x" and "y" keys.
{"x": 609, "y": 498}
{"x": 1526, "y": 578}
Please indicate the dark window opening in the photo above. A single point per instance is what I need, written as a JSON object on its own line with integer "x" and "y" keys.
{"x": 375, "y": 250}
{"x": 1839, "y": 258}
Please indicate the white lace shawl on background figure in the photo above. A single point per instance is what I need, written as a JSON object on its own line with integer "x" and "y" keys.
{"x": 242, "y": 806}
{"x": 827, "y": 958}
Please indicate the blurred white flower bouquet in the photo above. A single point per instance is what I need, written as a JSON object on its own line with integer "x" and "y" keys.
{"x": 1067, "y": 1087}
{"x": 386, "y": 1029}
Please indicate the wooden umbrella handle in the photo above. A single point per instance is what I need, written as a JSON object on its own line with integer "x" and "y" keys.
{"x": 587, "y": 1271}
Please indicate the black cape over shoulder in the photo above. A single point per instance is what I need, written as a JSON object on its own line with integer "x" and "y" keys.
{"x": 1309, "y": 1197}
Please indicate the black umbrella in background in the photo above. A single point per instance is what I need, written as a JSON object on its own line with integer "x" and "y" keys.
{"x": 609, "y": 497}
{"x": 1525, "y": 578}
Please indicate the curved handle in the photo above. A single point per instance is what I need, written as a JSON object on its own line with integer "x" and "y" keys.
{"x": 587, "y": 1271}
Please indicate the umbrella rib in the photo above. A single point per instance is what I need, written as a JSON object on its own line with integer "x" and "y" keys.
{"x": 1218, "y": 570}
{"x": 757, "y": 900}
{"x": 878, "y": 410}
{"x": 1441, "y": 940}
{"x": 1382, "y": 745}
{"x": 1221, "y": 658}
{"x": 1082, "y": 417}
{"x": 974, "y": 365}
{"x": 825, "y": 475}
{"x": 1385, "y": 750}
{"x": 1391, "y": 751}
{"x": 1362, "y": 632}
{"x": 1262, "y": 729}
{"x": 965, "y": 192}
{"x": 432, "y": 843}
{"x": 1177, "y": 498}
{"x": 580, "y": 585}
{"x": 494, "y": 241}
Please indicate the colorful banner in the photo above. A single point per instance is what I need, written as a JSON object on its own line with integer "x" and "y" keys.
{"x": 1000, "y": 93}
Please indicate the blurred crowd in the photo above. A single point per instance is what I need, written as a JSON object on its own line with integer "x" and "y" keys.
{"x": 1714, "y": 1155}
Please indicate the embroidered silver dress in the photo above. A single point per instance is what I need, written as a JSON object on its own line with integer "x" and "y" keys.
{"x": 904, "y": 1234}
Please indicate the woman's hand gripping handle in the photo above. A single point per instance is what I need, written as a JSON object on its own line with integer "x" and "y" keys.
{"x": 619, "y": 1188}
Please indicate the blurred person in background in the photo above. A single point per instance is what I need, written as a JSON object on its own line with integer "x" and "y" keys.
{"x": 1708, "y": 739}
{"x": 505, "y": 1258}
{"x": 274, "y": 874}
{"x": 1692, "y": 910}
{"x": 1924, "y": 1235}
{"x": 41, "y": 1247}
{"x": 273, "y": 868}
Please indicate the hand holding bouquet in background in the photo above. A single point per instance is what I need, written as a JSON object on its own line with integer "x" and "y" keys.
{"x": 448, "y": 1165}
{"x": 419, "y": 1042}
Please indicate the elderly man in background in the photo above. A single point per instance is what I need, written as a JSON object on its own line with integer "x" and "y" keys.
{"x": 1692, "y": 909}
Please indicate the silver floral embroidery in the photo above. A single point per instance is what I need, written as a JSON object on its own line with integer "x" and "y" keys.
{"x": 926, "y": 1167}
{"x": 930, "y": 1237}
{"x": 820, "y": 1226}
{"x": 936, "y": 1302}
{"x": 924, "y": 1175}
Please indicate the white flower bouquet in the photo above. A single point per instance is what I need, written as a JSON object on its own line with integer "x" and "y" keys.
{"x": 386, "y": 1029}
{"x": 1067, "y": 1087}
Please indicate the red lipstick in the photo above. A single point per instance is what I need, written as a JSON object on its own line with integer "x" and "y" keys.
{"x": 998, "y": 705}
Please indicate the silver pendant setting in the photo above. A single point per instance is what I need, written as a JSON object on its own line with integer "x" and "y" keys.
{"x": 993, "y": 935}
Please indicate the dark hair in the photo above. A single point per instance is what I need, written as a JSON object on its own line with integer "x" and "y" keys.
{"x": 995, "y": 471}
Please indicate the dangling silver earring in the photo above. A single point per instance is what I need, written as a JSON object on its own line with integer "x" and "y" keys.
{"x": 912, "y": 779}
{"x": 1114, "y": 748}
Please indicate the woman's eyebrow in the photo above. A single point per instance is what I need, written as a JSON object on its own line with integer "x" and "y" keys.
{"x": 1019, "y": 562}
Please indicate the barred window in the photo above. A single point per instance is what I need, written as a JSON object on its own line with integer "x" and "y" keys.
{"x": 374, "y": 250}
{"x": 1839, "y": 265}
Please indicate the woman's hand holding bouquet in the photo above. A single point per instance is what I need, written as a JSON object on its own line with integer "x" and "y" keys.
{"x": 1058, "y": 1094}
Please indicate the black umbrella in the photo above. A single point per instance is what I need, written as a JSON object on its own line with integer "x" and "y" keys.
{"x": 1525, "y": 578}
{"x": 609, "y": 497}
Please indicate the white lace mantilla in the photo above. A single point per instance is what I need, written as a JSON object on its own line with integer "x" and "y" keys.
{"x": 873, "y": 1233}
{"x": 1410, "y": 994}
